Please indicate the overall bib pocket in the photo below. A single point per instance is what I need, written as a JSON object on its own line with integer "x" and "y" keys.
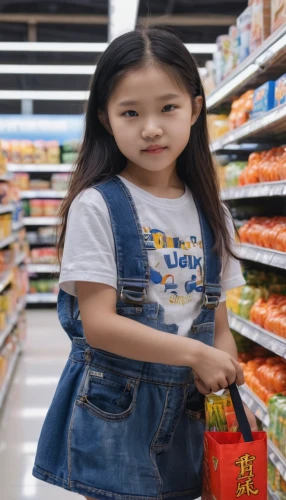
{"x": 108, "y": 395}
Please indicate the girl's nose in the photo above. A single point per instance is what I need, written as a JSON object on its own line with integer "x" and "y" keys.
{"x": 151, "y": 131}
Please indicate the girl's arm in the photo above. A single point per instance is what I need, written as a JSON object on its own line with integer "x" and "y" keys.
{"x": 224, "y": 340}
{"x": 106, "y": 330}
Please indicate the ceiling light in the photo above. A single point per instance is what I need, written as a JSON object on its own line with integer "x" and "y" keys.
{"x": 40, "y": 69}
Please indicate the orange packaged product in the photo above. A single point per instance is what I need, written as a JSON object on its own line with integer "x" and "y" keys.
{"x": 36, "y": 208}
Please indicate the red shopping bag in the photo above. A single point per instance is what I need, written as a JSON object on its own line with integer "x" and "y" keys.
{"x": 235, "y": 463}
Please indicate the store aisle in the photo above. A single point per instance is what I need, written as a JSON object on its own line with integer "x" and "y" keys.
{"x": 28, "y": 400}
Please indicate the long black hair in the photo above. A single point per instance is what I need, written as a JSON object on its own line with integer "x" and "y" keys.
{"x": 99, "y": 157}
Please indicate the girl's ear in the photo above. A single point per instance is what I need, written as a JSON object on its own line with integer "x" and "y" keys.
{"x": 104, "y": 120}
{"x": 197, "y": 107}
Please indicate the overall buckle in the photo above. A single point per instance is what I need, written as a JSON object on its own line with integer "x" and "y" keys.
{"x": 133, "y": 294}
{"x": 210, "y": 301}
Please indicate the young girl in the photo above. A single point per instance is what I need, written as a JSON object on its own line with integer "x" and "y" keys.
{"x": 148, "y": 256}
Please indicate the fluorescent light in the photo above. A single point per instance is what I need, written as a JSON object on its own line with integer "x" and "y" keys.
{"x": 201, "y": 48}
{"x": 40, "y": 69}
{"x": 122, "y": 17}
{"x": 194, "y": 48}
{"x": 44, "y": 95}
{"x": 51, "y": 47}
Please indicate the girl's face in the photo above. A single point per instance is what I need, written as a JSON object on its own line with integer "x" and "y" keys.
{"x": 151, "y": 117}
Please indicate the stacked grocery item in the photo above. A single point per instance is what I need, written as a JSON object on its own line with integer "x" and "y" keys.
{"x": 41, "y": 208}
{"x": 241, "y": 110}
{"x": 7, "y": 352}
{"x": 277, "y": 417}
{"x": 58, "y": 182}
{"x": 276, "y": 481}
{"x": 14, "y": 292}
{"x": 26, "y": 152}
{"x": 270, "y": 314}
{"x": 265, "y": 166}
{"x": 47, "y": 285}
{"x": 265, "y": 374}
{"x": 42, "y": 236}
{"x": 69, "y": 151}
{"x": 44, "y": 255}
{"x": 267, "y": 232}
{"x": 252, "y": 104}
{"x": 256, "y": 23}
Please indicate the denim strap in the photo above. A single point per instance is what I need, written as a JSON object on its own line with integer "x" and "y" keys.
{"x": 212, "y": 264}
{"x": 131, "y": 254}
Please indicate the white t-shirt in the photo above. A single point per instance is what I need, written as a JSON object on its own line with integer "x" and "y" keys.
{"x": 174, "y": 243}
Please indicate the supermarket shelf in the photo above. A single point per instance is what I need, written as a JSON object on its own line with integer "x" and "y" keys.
{"x": 268, "y": 126}
{"x": 263, "y": 255}
{"x": 43, "y": 268}
{"x": 277, "y": 459}
{"x": 6, "y": 177}
{"x": 269, "y": 59}
{"x": 260, "y": 190}
{"x": 16, "y": 226}
{"x": 41, "y": 221}
{"x": 254, "y": 404}
{"x": 12, "y": 322}
{"x": 5, "y": 280}
{"x": 7, "y": 241}
{"x": 4, "y": 209}
{"x": 257, "y": 334}
{"x": 47, "y": 193}
{"x": 13, "y": 167}
{"x": 272, "y": 495}
{"x": 42, "y": 298}
{"x": 11, "y": 369}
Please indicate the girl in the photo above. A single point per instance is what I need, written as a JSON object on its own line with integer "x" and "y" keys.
{"x": 148, "y": 256}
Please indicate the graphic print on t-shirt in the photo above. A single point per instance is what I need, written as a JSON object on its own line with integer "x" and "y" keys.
{"x": 176, "y": 265}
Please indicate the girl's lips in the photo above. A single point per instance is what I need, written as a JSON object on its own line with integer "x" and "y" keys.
{"x": 154, "y": 151}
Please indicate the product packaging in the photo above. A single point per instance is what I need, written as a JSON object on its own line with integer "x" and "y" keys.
{"x": 260, "y": 26}
{"x": 234, "y": 46}
{"x": 263, "y": 99}
{"x": 280, "y": 91}
{"x": 244, "y": 32}
{"x": 278, "y": 14}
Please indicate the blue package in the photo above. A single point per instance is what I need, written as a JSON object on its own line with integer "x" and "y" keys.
{"x": 263, "y": 99}
{"x": 280, "y": 91}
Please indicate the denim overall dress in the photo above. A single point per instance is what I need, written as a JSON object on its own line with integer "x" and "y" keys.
{"x": 120, "y": 429}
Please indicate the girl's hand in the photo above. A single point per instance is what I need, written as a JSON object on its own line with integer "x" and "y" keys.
{"x": 215, "y": 370}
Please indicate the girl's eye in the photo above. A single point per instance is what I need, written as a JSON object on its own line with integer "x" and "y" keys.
{"x": 169, "y": 107}
{"x": 130, "y": 114}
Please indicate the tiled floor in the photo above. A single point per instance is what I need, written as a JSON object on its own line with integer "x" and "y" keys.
{"x": 28, "y": 400}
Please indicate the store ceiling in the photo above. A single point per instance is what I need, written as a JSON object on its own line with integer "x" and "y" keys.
{"x": 197, "y": 21}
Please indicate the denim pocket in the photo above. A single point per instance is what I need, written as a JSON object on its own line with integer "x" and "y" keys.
{"x": 195, "y": 405}
{"x": 108, "y": 395}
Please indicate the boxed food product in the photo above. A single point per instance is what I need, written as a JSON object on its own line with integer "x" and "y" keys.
{"x": 260, "y": 27}
{"x": 263, "y": 99}
{"x": 280, "y": 91}
{"x": 218, "y": 64}
{"x": 234, "y": 45}
{"x": 244, "y": 32}
{"x": 278, "y": 14}
{"x": 224, "y": 47}
{"x": 40, "y": 155}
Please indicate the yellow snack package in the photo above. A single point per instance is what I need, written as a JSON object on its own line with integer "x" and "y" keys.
{"x": 220, "y": 414}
